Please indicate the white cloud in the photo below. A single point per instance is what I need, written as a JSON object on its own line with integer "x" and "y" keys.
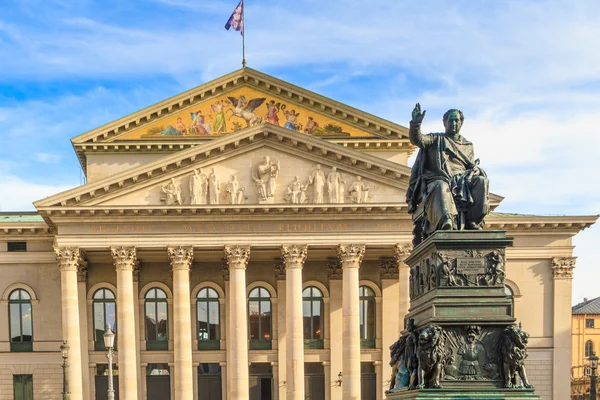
{"x": 18, "y": 195}
{"x": 47, "y": 158}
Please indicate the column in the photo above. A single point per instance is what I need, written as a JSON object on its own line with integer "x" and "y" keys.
{"x": 82, "y": 270}
{"x": 281, "y": 330}
{"x": 335, "y": 322}
{"x": 390, "y": 330}
{"x": 350, "y": 257}
{"x": 400, "y": 254}
{"x": 181, "y": 263}
{"x": 237, "y": 259}
{"x": 293, "y": 258}
{"x": 125, "y": 260}
{"x": 69, "y": 258}
{"x": 562, "y": 269}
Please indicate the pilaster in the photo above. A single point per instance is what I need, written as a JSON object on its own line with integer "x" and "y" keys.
{"x": 400, "y": 254}
{"x": 336, "y": 354}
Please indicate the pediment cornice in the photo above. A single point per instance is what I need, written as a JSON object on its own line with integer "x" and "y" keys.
{"x": 303, "y": 145}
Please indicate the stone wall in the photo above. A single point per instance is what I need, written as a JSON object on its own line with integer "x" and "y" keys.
{"x": 47, "y": 380}
{"x": 539, "y": 372}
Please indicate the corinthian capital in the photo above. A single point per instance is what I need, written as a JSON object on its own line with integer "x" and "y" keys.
{"x": 181, "y": 257}
{"x": 237, "y": 256}
{"x": 124, "y": 257}
{"x": 562, "y": 268}
{"x": 401, "y": 253}
{"x": 294, "y": 256}
{"x": 351, "y": 255}
{"x": 68, "y": 258}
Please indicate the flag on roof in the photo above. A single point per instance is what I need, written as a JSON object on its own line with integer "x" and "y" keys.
{"x": 236, "y": 21}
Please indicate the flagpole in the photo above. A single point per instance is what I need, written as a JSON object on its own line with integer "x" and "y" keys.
{"x": 243, "y": 36}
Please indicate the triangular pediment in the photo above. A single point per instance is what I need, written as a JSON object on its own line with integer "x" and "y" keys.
{"x": 240, "y": 154}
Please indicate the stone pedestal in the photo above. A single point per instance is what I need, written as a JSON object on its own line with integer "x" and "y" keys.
{"x": 459, "y": 329}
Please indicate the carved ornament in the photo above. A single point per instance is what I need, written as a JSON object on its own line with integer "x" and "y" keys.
{"x": 351, "y": 255}
{"x": 124, "y": 257}
{"x": 82, "y": 271}
{"x": 334, "y": 269}
{"x": 562, "y": 268}
{"x": 401, "y": 253}
{"x": 181, "y": 257}
{"x": 279, "y": 270}
{"x": 237, "y": 256}
{"x": 68, "y": 258}
{"x": 388, "y": 269}
{"x": 294, "y": 256}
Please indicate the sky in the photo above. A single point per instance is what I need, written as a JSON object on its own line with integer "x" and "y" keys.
{"x": 524, "y": 72}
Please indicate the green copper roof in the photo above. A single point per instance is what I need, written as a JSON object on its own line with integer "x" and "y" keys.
{"x": 8, "y": 218}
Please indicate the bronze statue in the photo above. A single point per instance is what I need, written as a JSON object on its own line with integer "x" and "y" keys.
{"x": 430, "y": 355}
{"x": 410, "y": 354}
{"x": 513, "y": 351}
{"x": 446, "y": 178}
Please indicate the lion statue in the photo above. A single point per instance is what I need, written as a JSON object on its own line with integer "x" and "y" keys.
{"x": 431, "y": 353}
{"x": 513, "y": 352}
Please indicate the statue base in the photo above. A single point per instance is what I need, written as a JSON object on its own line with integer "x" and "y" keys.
{"x": 460, "y": 330}
{"x": 464, "y": 393}
{"x": 268, "y": 200}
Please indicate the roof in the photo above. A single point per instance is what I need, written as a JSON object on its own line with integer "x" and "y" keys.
{"x": 20, "y": 217}
{"x": 587, "y": 307}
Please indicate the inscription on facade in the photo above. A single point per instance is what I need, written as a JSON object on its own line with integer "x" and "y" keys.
{"x": 470, "y": 266}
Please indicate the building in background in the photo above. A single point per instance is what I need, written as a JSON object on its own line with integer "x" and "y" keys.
{"x": 586, "y": 339}
{"x": 228, "y": 235}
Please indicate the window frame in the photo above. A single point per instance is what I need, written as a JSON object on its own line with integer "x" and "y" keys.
{"x": 210, "y": 343}
{"x": 312, "y": 342}
{"x": 589, "y": 348}
{"x": 260, "y": 344}
{"x": 20, "y": 346}
{"x": 99, "y": 342}
{"x": 156, "y": 344}
{"x": 363, "y": 300}
{"x": 589, "y": 322}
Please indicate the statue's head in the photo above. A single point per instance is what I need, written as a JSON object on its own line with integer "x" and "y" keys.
{"x": 318, "y": 166}
{"x": 267, "y": 159}
{"x": 333, "y": 169}
{"x": 453, "y": 120}
{"x": 296, "y": 178}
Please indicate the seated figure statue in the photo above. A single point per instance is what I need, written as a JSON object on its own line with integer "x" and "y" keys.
{"x": 446, "y": 178}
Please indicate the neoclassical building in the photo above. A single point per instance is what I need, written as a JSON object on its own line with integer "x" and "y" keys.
{"x": 245, "y": 240}
{"x": 586, "y": 342}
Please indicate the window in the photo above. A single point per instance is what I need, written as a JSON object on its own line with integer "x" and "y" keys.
{"x": 367, "y": 317}
{"x": 312, "y": 312}
{"x": 259, "y": 318}
{"x": 105, "y": 313}
{"x": 156, "y": 320}
{"x": 17, "y": 246}
{"x": 589, "y": 348}
{"x": 23, "y": 387}
{"x": 509, "y": 295}
{"x": 209, "y": 331}
{"x": 21, "y": 323}
{"x": 589, "y": 323}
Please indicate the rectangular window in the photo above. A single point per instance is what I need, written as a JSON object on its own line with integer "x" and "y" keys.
{"x": 589, "y": 323}
{"x": 23, "y": 387}
{"x": 17, "y": 246}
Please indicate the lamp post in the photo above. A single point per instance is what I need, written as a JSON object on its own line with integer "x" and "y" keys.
{"x": 64, "y": 352}
{"x": 594, "y": 377}
{"x": 109, "y": 342}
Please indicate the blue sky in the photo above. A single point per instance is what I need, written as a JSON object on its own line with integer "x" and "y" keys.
{"x": 524, "y": 72}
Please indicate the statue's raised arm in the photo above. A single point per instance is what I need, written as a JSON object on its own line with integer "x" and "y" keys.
{"x": 414, "y": 133}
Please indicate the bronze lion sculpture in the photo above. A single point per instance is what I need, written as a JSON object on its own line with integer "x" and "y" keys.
{"x": 430, "y": 353}
{"x": 513, "y": 351}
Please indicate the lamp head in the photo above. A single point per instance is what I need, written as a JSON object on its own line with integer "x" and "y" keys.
{"x": 339, "y": 381}
{"x": 64, "y": 350}
{"x": 594, "y": 361}
{"x": 109, "y": 338}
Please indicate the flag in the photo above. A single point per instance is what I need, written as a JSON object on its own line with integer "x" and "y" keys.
{"x": 237, "y": 19}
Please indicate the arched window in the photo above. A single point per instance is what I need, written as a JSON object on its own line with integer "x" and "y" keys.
{"x": 259, "y": 318}
{"x": 509, "y": 295}
{"x": 209, "y": 331}
{"x": 20, "y": 319}
{"x": 589, "y": 348}
{"x": 312, "y": 312}
{"x": 105, "y": 313}
{"x": 367, "y": 317}
{"x": 156, "y": 317}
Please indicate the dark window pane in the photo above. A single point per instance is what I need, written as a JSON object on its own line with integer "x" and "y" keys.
{"x": 254, "y": 331}
{"x": 150, "y": 322}
{"x": 17, "y": 246}
{"x": 111, "y": 315}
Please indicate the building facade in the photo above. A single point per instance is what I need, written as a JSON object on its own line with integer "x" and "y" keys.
{"x": 245, "y": 240}
{"x": 586, "y": 339}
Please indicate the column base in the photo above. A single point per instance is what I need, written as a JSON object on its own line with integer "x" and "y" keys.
{"x": 463, "y": 394}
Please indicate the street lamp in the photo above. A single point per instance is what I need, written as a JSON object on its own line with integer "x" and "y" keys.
{"x": 339, "y": 381}
{"x": 594, "y": 377}
{"x": 64, "y": 352}
{"x": 109, "y": 342}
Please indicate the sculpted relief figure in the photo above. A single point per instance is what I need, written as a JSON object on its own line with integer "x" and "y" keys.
{"x": 198, "y": 187}
{"x": 358, "y": 191}
{"x": 446, "y": 177}
{"x": 214, "y": 187}
{"x": 296, "y": 192}
{"x": 265, "y": 175}
{"x": 173, "y": 193}
{"x": 317, "y": 179}
{"x": 234, "y": 192}
{"x": 335, "y": 186}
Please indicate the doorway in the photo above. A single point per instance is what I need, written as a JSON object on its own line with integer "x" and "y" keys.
{"x": 101, "y": 381}
{"x": 158, "y": 382}
{"x": 368, "y": 381}
{"x": 314, "y": 381}
{"x": 261, "y": 381}
{"x": 209, "y": 381}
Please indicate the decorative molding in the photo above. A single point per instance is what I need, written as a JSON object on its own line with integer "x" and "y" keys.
{"x": 225, "y": 269}
{"x": 181, "y": 257}
{"x": 388, "y": 269}
{"x": 294, "y": 255}
{"x": 562, "y": 268}
{"x": 68, "y": 258}
{"x": 334, "y": 269}
{"x": 351, "y": 255}
{"x": 82, "y": 271}
{"x": 124, "y": 257}
{"x": 237, "y": 256}
{"x": 136, "y": 271}
{"x": 280, "y": 270}
{"x": 401, "y": 253}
